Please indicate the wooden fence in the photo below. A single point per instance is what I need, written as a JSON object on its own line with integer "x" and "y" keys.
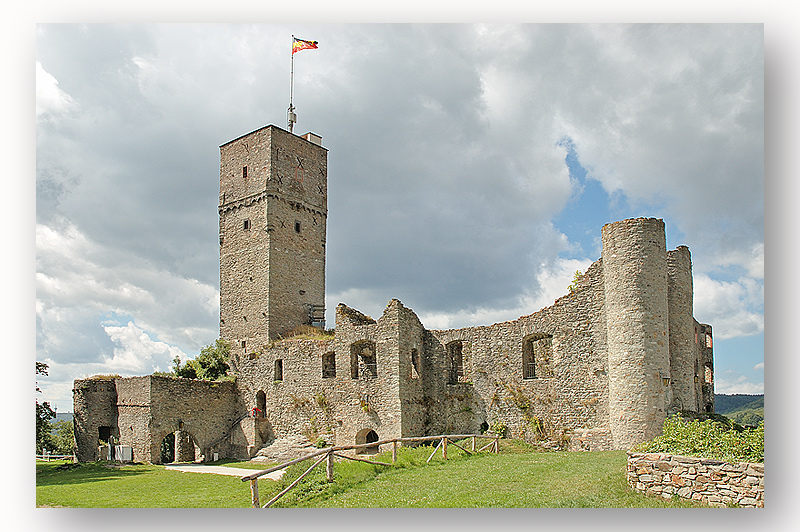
{"x": 326, "y": 455}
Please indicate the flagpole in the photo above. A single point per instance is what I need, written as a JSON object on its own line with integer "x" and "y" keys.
{"x": 291, "y": 117}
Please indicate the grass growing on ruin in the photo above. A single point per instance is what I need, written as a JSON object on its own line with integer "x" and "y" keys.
{"x": 517, "y": 477}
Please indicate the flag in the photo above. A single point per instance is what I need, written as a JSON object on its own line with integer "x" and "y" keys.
{"x": 300, "y": 44}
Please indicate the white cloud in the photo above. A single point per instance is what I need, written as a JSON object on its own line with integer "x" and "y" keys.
{"x": 50, "y": 99}
{"x": 759, "y": 367}
{"x": 136, "y": 353}
{"x": 740, "y": 385}
{"x": 733, "y": 308}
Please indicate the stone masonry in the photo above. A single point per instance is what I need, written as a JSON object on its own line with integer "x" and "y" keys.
{"x": 599, "y": 369}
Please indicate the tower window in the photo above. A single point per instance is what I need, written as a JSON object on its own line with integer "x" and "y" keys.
{"x": 279, "y": 370}
{"x": 244, "y": 171}
{"x": 246, "y": 225}
{"x": 329, "y": 365}
{"x": 296, "y": 226}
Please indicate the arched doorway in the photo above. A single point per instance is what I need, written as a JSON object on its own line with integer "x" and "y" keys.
{"x": 366, "y": 436}
{"x": 261, "y": 404}
{"x": 178, "y": 446}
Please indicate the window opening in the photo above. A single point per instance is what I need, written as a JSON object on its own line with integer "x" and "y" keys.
{"x": 279, "y": 370}
{"x": 261, "y": 404}
{"x": 536, "y": 354}
{"x": 246, "y": 225}
{"x": 244, "y": 171}
{"x": 455, "y": 358}
{"x": 329, "y": 365}
{"x": 296, "y": 227}
{"x": 363, "y": 362}
{"x": 415, "y": 364}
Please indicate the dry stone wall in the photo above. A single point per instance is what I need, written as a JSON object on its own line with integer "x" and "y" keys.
{"x": 713, "y": 481}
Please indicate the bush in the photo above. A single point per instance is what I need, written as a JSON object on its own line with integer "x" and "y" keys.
{"x": 708, "y": 439}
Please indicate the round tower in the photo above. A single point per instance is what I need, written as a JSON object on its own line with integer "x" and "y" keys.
{"x": 636, "y": 304}
{"x": 682, "y": 348}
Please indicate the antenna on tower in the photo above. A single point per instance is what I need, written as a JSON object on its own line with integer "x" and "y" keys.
{"x": 297, "y": 45}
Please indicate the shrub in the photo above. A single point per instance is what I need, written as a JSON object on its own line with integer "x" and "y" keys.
{"x": 708, "y": 439}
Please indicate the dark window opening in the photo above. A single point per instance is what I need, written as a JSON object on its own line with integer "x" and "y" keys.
{"x": 243, "y": 344}
{"x": 367, "y": 436}
{"x": 455, "y": 362}
{"x": 296, "y": 227}
{"x": 329, "y": 365}
{"x": 261, "y": 404}
{"x": 104, "y": 434}
{"x": 363, "y": 363}
{"x": 536, "y": 353}
{"x": 279, "y": 370}
{"x": 415, "y": 369}
{"x": 244, "y": 171}
{"x": 246, "y": 225}
{"x": 709, "y": 407}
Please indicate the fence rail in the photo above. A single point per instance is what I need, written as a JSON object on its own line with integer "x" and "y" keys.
{"x": 47, "y": 457}
{"x": 329, "y": 453}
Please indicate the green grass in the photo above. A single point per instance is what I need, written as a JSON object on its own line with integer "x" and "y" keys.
{"x": 517, "y": 477}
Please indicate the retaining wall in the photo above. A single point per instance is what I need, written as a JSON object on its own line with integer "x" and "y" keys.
{"x": 716, "y": 482}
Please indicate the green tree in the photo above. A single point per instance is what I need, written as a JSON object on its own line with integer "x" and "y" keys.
{"x": 210, "y": 365}
{"x": 44, "y": 414}
{"x": 63, "y": 437}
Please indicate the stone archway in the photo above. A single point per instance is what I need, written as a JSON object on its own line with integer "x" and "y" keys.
{"x": 366, "y": 436}
{"x": 178, "y": 446}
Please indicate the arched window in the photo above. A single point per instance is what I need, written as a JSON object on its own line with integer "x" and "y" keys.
{"x": 329, "y": 365}
{"x": 366, "y": 436}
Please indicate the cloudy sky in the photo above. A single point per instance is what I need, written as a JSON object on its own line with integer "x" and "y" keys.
{"x": 470, "y": 170}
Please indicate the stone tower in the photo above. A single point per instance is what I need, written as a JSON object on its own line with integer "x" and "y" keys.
{"x": 637, "y": 320}
{"x": 272, "y": 226}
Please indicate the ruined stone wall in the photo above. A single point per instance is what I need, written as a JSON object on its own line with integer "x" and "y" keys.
{"x": 566, "y": 392}
{"x": 94, "y": 405}
{"x": 305, "y": 402}
{"x": 713, "y": 481}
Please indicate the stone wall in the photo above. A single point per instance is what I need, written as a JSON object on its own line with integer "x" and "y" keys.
{"x": 713, "y": 481}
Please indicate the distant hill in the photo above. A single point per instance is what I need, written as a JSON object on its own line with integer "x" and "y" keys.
{"x": 62, "y": 416}
{"x": 741, "y": 408}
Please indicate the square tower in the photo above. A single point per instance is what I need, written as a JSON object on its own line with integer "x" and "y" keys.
{"x": 272, "y": 226}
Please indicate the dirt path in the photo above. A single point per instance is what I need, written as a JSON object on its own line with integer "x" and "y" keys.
{"x": 219, "y": 470}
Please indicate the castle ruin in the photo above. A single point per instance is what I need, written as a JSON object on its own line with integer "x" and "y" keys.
{"x": 599, "y": 369}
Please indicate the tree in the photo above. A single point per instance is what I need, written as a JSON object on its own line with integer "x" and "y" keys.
{"x": 44, "y": 414}
{"x": 210, "y": 365}
{"x": 63, "y": 437}
{"x": 575, "y": 280}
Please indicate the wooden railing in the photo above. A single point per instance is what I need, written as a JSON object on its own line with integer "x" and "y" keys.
{"x": 329, "y": 453}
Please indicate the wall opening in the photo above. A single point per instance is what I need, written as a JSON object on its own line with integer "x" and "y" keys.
{"x": 261, "y": 404}
{"x": 455, "y": 362}
{"x": 278, "y": 370}
{"x": 366, "y": 436}
{"x": 168, "y": 449}
{"x": 363, "y": 360}
{"x": 536, "y": 353}
{"x": 103, "y": 434}
{"x": 329, "y": 365}
{"x": 415, "y": 365}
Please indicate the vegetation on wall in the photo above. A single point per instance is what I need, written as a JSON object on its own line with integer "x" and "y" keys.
{"x": 715, "y": 438}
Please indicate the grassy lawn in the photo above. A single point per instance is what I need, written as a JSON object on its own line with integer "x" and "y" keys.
{"x": 517, "y": 477}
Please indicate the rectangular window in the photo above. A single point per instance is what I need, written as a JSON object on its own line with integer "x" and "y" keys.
{"x": 329, "y": 365}
{"x": 296, "y": 226}
{"x": 244, "y": 171}
{"x": 455, "y": 358}
{"x": 279, "y": 370}
{"x": 246, "y": 225}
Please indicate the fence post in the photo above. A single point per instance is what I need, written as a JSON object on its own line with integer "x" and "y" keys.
{"x": 254, "y": 492}
{"x": 394, "y": 451}
{"x": 444, "y": 447}
{"x": 329, "y": 466}
{"x": 473, "y": 444}
{"x": 497, "y": 444}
